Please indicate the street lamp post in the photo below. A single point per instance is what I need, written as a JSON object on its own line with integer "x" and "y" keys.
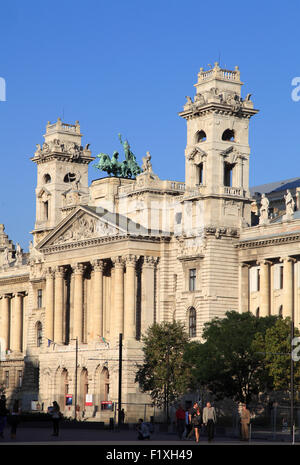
{"x": 76, "y": 370}
{"x": 120, "y": 379}
{"x": 292, "y": 363}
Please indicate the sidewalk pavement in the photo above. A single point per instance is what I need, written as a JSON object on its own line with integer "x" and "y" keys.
{"x": 39, "y": 436}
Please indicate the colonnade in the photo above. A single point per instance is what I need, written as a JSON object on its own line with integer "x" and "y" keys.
{"x": 100, "y": 298}
{"x": 267, "y": 285}
{"x": 12, "y": 321}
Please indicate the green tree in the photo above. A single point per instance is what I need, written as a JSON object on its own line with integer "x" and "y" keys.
{"x": 165, "y": 372}
{"x": 276, "y": 345}
{"x": 228, "y": 362}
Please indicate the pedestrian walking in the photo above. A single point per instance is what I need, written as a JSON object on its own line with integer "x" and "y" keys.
{"x": 56, "y": 416}
{"x": 180, "y": 420}
{"x": 188, "y": 425}
{"x": 122, "y": 416}
{"x": 196, "y": 421}
{"x": 209, "y": 420}
{"x": 3, "y": 415}
{"x": 245, "y": 422}
{"x": 14, "y": 419}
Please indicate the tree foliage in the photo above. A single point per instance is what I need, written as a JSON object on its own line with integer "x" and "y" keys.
{"x": 276, "y": 345}
{"x": 228, "y": 362}
{"x": 165, "y": 372}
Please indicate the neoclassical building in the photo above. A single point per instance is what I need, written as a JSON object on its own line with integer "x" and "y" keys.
{"x": 115, "y": 256}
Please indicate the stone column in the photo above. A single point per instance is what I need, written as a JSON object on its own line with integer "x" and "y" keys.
{"x": 148, "y": 292}
{"x": 59, "y": 305}
{"x": 130, "y": 298}
{"x": 97, "y": 319}
{"x": 78, "y": 302}
{"x": 17, "y": 323}
{"x": 265, "y": 287}
{"x": 49, "y": 315}
{"x": 5, "y": 321}
{"x": 117, "y": 322}
{"x": 288, "y": 286}
{"x": 110, "y": 303}
{"x": 244, "y": 288}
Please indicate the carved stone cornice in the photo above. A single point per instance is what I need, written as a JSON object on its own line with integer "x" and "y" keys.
{"x": 220, "y": 231}
{"x": 268, "y": 241}
{"x": 101, "y": 241}
{"x": 14, "y": 279}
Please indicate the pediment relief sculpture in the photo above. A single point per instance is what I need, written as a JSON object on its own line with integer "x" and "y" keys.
{"x": 86, "y": 227}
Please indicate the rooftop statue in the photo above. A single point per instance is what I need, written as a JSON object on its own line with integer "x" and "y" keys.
{"x": 126, "y": 169}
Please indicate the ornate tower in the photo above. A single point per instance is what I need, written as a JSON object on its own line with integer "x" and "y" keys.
{"x": 217, "y": 150}
{"x": 62, "y": 175}
{"x": 217, "y": 190}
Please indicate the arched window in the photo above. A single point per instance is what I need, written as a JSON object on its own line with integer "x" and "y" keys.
{"x": 280, "y": 311}
{"x": 200, "y": 136}
{"x": 70, "y": 177}
{"x": 47, "y": 178}
{"x": 39, "y": 335}
{"x": 192, "y": 322}
{"x": 257, "y": 312}
{"x": 228, "y": 135}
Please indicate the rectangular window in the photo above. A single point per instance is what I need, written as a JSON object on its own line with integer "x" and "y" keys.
{"x": 7, "y": 379}
{"x": 192, "y": 279}
{"x": 281, "y": 277}
{"x": 39, "y": 298}
{"x": 200, "y": 173}
{"x": 20, "y": 378}
{"x": 258, "y": 279}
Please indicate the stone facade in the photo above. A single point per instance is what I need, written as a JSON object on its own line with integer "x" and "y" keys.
{"x": 114, "y": 257}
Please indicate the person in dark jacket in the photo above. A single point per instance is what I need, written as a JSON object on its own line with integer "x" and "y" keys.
{"x": 196, "y": 421}
{"x": 14, "y": 419}
{"x": 3, "y": 415}
{"x": 180, "y": 420}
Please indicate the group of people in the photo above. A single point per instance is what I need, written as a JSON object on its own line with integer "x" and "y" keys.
{"x": 191, "y": 421}
{"x": 13, "y": 416}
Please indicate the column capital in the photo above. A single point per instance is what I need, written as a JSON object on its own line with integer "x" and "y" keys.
{"x": 21, "y": 294}
{"x": 287, "y": 259}
{"x": 150, "y": 261}
{"x": 60, "y": 271}
{"x": 245, "y": 265}
{"x": 7, "y": 296}
{"x": 78, "y": 268}
{"x": 49, "y": 272}
{"x": 118, "y": 261}
{"x": 98, "y": 265}
{"x": 131, "y": 259}
{"x": 264, "y": 261}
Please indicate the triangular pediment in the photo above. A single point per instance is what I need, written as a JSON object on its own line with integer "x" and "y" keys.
{"x": 81, "y": 225}
{"x": 197, "y": 151}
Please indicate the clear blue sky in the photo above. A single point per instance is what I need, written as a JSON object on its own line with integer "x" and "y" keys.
{"x": 125, "y": 66}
